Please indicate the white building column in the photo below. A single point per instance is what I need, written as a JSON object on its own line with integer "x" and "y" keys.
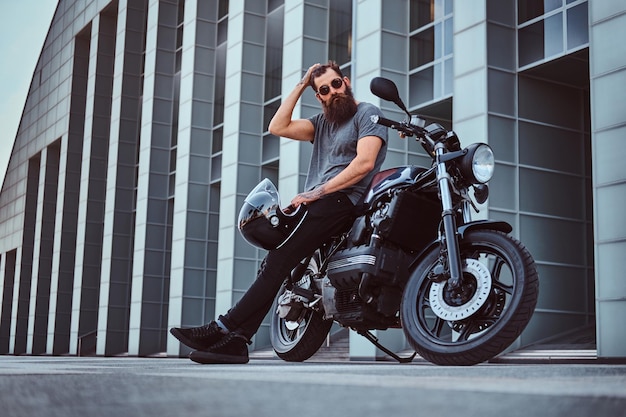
{"x": 607, "y": 56}
{"x": 367, "y": 58}
{"x": 36, "y": 250}
{"x": 293, "y": 66}
{"x": 224, "y": 296}
{"x": 112, "y": 162}
{"x": 183, "y": 153}
{"x": 56, "y": 254}
{"x": 16, "y": 293}
{"x": 134, "y": 327}
{"x": 84, "y": 188}
{"x": 470, "y": 69}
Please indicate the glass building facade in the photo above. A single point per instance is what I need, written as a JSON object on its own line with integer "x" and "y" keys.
{"x": 146, "y": 125}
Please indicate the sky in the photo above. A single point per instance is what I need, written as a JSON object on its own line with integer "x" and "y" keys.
{"x": 24, "y": 25}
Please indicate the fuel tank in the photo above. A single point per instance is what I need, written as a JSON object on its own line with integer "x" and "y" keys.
{"x": 392, "y": 177}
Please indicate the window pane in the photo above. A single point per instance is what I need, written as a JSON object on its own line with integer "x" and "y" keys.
{"x": 422, "y": 13}
{"x": 529, "y": 9}
{"x": 501, "y": 46}
{"x": 216, "y": 168}
{"x": 448, "y": 36}
{"x": 421, "y": 87}
{"x": 502, "y": 138}
{"x": 222, "y": 8}
{"x": 220, "y": 80}
{"x": 501, "y": 92}
{"x": 448, "y": 76}
{"x": 340, "y": 31}
{"x": 271, "y": 148}
{"x": 273, "y": 4}
{"x": 269, "y": 110}
{"x": 531, "y": 43}
{"x": 274, "y": 56}
{"x": 550, "y": 5}
{"x": 438, "y": 41}
{"x": 222, "y": 31}
{"x": 553, "y": 34}
{"x": 422, "y": 48}
{"x": 438, "y": 10}
{"x": 577, "y": 26}
{"x": 437, "y": 81}
{"x": 218, "y": 135}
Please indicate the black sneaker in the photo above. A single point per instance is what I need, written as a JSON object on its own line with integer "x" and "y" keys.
{"x": 233, "y": 348}
{"x": 199, "y": 338}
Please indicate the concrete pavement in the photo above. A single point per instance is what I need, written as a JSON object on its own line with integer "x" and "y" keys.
{"x": 70, "y": 386}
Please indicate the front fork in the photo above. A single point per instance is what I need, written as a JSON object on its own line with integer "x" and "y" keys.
{"x": 448, "y": 218}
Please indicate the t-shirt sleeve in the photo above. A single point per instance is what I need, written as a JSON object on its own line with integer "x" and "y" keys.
{"x": 315, "y": 120}
{"x": 367, "y": 127}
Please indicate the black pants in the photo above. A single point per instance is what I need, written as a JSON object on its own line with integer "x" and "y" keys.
{"x": 326, "y": 217}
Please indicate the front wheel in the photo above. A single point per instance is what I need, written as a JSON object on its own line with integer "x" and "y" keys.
{"x": 479, "y": 320}
{"x": 299, "y": 334}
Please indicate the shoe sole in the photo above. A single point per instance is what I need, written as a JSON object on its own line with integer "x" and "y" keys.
{"x": 206, "y": 358}
{"x": 184, "y": 340}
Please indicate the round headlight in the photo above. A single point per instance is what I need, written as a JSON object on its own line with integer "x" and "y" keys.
{"x": 483, "y": 163}
{"x": 478, "y": 163}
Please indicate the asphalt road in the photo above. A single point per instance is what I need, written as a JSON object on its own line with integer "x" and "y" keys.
{"x": 68, "y": 386}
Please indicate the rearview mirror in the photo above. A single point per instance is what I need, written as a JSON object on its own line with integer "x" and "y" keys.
{"x": 387, "y": 90}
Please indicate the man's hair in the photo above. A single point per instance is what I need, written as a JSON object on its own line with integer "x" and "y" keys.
{"x": 321, "y": 70}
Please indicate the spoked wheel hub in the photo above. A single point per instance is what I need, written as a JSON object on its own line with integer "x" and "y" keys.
{"x": 487, "y": 314}
{"x": 461, "y": 303}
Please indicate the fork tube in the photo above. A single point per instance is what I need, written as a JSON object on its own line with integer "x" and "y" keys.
{"x": 449, "y": 220}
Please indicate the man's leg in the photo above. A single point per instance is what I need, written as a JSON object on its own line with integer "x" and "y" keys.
{"x": 326, "y": 217}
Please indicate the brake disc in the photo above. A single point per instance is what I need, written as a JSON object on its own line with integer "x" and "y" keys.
{"x": 482, "y": 283}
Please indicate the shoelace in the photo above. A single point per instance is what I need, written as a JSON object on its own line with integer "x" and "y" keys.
{"x": 203, "y": 331}
{"x": 226, "y": 339}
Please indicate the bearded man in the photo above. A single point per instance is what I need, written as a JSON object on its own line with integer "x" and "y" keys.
{"x": 348, "y": 150}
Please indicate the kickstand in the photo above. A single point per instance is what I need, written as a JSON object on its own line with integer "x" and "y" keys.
{"x": 366, "y": 334}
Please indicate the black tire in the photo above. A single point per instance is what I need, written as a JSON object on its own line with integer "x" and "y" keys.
{"x": 301, "y": 343}
{"x": 501, "y": 316}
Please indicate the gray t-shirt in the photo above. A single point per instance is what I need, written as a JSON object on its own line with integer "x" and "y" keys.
{"x": 334, "y": 147}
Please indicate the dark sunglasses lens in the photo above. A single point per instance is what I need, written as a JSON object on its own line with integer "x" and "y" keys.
{"x": 336, "y": 83}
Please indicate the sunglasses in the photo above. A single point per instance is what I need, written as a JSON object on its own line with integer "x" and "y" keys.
{"x": 336, "y": 83}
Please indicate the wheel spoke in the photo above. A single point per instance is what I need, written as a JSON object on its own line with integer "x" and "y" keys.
{"x": 467, "y": 331}
{"x": 497, "y": 267}
{"x": 502, "y": 286}
{"x": 496, "y": 271}
{"x": 438, "y": 326}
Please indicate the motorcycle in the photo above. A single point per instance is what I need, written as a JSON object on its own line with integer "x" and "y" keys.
{"x": 461, "y": 290}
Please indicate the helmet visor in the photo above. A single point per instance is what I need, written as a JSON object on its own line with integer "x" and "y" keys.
{"x": 262, "y": 201}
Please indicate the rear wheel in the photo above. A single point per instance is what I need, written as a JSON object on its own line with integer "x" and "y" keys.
{"x": 476, "y": 322}
{"x": 297, "y": 332}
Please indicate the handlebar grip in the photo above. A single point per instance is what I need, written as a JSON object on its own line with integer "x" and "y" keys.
{"x": 392, "y": 124}
{"x": 383, "y": 121}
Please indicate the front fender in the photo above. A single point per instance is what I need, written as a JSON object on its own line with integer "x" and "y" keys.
{"x": 501, "y": 226}
{"x": 485, "y": 224}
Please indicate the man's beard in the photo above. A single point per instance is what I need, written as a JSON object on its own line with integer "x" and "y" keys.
{"x": 340, "y": 108}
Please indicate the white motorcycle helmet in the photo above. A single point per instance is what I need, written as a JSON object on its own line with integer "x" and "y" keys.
{"x": 262, "y": 222}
